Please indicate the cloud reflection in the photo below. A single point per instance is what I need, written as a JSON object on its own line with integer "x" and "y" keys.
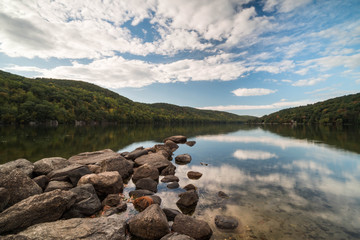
{"x": 255, "y": 155}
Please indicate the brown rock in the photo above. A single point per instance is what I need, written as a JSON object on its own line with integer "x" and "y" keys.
{"x": 194, "y": 175}
{"x": 177, "y": 139}
{"x": 198, "y": 229}
{"x": 104, "y": 183}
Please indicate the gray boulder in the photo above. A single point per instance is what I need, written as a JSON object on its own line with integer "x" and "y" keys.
{"x": 149, "y": 224}
{"x": 22, "y": 164}
{"x": 104, "y": 183}
{"x": 46, "y": 165}
{"x": 197, "y": 229}
{"x": 145, "y": 171}
{"x": 155, "y": 160}
{"x": 147, "y": 184}
{"x": 40, "y": 208}
{"x": 170, "y": 178}
{"x": 19, "y": 185}
{"x": 94, "y": 157}
{"x": 42, "y": 181}
{"x": 53, "y": 185}
{"x": 226, "y": 222}
{"x": 4, "y": 198}
{"x": 176, "y": 236}
{"x": 177, "y": 139}
{"x": 120, "y": 164}
{"x": 73, "y": 173}
{"x": 105, "y": 228}
{"x": 183, "y": 159}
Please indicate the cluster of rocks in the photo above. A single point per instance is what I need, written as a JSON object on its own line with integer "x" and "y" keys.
{"x": 80, "y": 197}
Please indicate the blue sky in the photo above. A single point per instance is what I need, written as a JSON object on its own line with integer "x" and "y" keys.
{"x": 245, "y": 57}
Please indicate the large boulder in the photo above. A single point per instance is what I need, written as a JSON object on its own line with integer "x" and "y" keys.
{"x": 94, "y": 157}
{"x": 4, "y": 198}
{"x": 188, "y": 201}
{"x": 72, "y": 172}
{"x": 147, "y": 184}
{"x": 120, "y": 164}
{"x": 171, "y": 145}
{"x": 149, "y": 224}
{"x": 53, "y": 185}
{"x": 86, "y": 203}
{"x": 197, "y": 229}
{"x": 145, "y": 171}
{"x": 171, "y": 213}
{"x": 19, "y": 185}
{"x": 155, "y": 160}
{"x": 105, "y": 228}
{"x": 22, "y": 164}
{"x": 104, "y": 183}
{"x": 40, "y": 208}
{"x": 183, "y": 159}
{"x": 226, "y": 222}
{"x": 176, "y": 236}
{"x": 177, "y": 139}
{"x": 46, "y": 165}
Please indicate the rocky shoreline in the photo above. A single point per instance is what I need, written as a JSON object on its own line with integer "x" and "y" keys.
{"x": 82, "y": 197}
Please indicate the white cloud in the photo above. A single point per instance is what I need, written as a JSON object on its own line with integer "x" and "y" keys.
{"x": 284, "y": 5}
{"x": 277, "y": 105}
{"x": 252, "y": 92}
{"x": 310, "y": 81}
{"x": 255, "y": 155}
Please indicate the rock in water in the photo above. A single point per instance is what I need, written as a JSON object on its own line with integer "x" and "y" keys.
{"x": 188, "y": 198}
{"x": 222, "y": 194}
{"x": 150, "y": 224}
{"x": 146, "y": 184}
{"x": 170, "y": 178}
{"x": 169, "y": 170}
{"x": 194, "y": 175}
{"x": 198, "y": 229}
{"x": 177, "y": 139}
{"x": 190, "y": 187}
{"x": 40, "y": 208}
{"x": 190, "y": 143}
{"x": 171, "y": 145}
{"x": 173, "y": 185}
{"x": 104, "y": 228}
{"x": 171, "y": 213}
{"x": 155, "y": 160}
{"x": 226, "y": 222}
{"x": 145, "y": 171}
{"x": 183, "y": 159}
{"x": 140, "y": 193}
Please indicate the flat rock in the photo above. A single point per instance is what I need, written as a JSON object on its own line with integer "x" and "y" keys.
{"x": 226, "y": 222}
{"x": 104, "y": 183}
{"x": 197, "y": 229}
{"x": 39, "y": 208}
{"x": 155, "y": 160}
{"x": 123, "y": 166}
{"x": 136, "y": 153}
{"x": 73, "y": 172}
{"x": 150, "y": 224}
{"x": 19, "y": 185}
{"x": 105, "y": 228}
{"x": 173, "y": 185}
{"x": 176, "y": 236}
{"x": 147, "y": 184}
{"x": 42, "y": 181}
{"x": 171, "y": 213}
{"x": 94, "y": 157}
{"x": 183, "y": 159}
{"x": 170, "y": 178}
{"x": 169, "y": 170}
{"x": 46, "y": 165}
{"x": 194, "y": 175}
{"x": 53, "y": 185}
{"x": 145, "y": 171}
{"x": 4, "y": 198}
{"x": 22, "y": 164}
{"x": 177, "y": 139}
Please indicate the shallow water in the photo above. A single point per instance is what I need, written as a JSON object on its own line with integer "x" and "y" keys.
{"x": 284, "y": 182}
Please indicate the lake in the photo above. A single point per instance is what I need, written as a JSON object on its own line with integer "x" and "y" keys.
{"x": 283, "y": 182}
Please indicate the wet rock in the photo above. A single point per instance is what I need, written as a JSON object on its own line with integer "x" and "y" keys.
{"x": 164, "y": 150}
{"x": 53, "y": 185}
{"x": 22, "y": 164}
{"x": 194, "y": 175}
{"x": 19, "y": 185}
{"x": 104, "y": 183}
{"x": 189, "y": 187}
{"x": 140, "y": 193}
{"x": 147, "y": 184}
{"x": 176, "y": 236}
{"x": 177, "y": 139}
{"x": 94, "y": 168}
{"x": 77, "y": 228}
{"x": 39, "y": 208}
{"x": 222, "y": 194}
{"x": 4, "y": 198}
{"x": 197, "y": 229}
{"x": 188, "y": 198}
{"x": 190, "y": 143}
{"x": 155, "y": 160}
{"x": 171, "y": 145}
{"x": 142, "y": 203}
{"x": 226, "y": 222}
{"x": 73, "y": 172}
{"x": 86, "y": 203}
{"x": 94, "y": 157}
{"x": 42, "y": 181}
{"x": 183, "y": 159}
{"x": 112, "y": 200}
{"x": 173, "y": 185}
{"x": 46, "y": 165}
{"x": 171, "y": 213}
{"x": 136, "y": 153}
{"x": 149, "y": 224}
{"x": 123, "y": 166}
{"x": 169, "y": 170}
{"x": 170, "y": 178}
{"x": 145, "y": 171}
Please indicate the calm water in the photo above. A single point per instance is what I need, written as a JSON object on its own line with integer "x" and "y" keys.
{"x": 283, "y": 182}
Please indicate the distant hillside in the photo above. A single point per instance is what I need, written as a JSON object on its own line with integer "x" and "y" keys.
{"x": 24, "y": 100}
{"x": 340, "y": 110}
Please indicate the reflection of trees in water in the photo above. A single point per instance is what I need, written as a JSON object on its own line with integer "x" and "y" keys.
{"x": 34, "y": 143}
{"x": 344, "y": 137}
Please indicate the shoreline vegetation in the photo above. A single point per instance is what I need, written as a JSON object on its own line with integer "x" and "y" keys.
{"x": 85, "y": 196}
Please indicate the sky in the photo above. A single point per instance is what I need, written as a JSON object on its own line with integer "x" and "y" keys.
{"x": 240, "y": 56}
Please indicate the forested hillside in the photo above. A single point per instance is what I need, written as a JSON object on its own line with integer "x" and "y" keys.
{"x": 340, "y": 110}
{"x": 24, "y": 100}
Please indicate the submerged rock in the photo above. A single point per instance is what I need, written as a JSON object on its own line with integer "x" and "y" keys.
{"x": 222, "y": 194}
{"x": 183, "y": 159}
{"x": 226, "y": 222}
{"x": 197, "y": 229}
